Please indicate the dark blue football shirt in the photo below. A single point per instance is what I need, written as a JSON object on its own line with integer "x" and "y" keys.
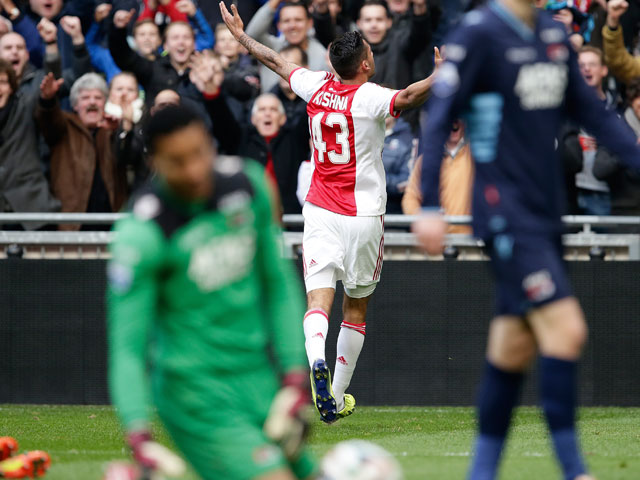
{"x": 514, "y": 86}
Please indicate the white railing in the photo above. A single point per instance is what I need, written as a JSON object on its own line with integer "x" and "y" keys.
{"x": 399, "y": 244}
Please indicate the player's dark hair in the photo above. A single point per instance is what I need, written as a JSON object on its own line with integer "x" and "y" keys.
{"x": 376, "y": 3}
{"x": 304, "y": 58}
{"x": 167, "y": 121}
{"x": 345, "y": 54}
{"x": 297, "y": 4}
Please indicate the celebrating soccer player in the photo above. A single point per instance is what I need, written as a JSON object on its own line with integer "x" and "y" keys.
{"x": 344, "y": 209}
{"x": 511, "y": 70}
{"x": 198, "y": 293}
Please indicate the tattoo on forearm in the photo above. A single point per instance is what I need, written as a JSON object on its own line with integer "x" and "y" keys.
{"x": 261, "y": 52}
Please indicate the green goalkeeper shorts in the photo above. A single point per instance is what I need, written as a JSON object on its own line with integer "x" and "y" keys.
{"x": 217, "y": 424}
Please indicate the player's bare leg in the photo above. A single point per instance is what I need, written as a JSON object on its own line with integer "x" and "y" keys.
{"x": 350, "y": 342}
{"x": 316, "y": 326}
{"x": 561, "y": 332}
{"x": 511, "y": 345}
{"x": 510, "y": 349}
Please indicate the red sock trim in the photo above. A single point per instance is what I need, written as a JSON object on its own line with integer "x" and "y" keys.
{"x": 357, "y": 327}
{"x": 317, "y": 310}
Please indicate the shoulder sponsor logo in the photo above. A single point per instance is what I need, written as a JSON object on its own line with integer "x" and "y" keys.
{"x": 146, "y": 207}
{"x": 542, "y": 86}
{"x": 447, "y": 80}
{"x": 521, "y": 55}
{"x": 552, "y": 35}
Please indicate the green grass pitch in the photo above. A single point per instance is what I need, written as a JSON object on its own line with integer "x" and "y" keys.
{"x": 430, "y": 443}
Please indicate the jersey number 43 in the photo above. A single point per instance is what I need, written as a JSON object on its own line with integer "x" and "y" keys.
{"x": 327, "y": 141}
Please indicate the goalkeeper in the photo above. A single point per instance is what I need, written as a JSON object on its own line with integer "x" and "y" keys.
{"x": 203, "y": 316}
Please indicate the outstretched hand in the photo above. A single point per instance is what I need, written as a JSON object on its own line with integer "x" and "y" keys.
{"x": 102, "y": 11}
{"x": 71, "y": 25}
{"x": 206, "y": 73}
{"x": 437, "y": 58}
{"x": 615, "y": 9}
{"x": 47, "y": 30}
{"x": 50, "y": 86}
{"x": 232, "y": 20}
{"x": 122, "y": 18}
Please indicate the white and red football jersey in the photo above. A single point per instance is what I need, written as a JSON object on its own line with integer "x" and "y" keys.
{"x": 347, "y": 132}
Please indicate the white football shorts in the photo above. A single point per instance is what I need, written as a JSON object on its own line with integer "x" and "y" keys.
{"x": 340, "y": 247}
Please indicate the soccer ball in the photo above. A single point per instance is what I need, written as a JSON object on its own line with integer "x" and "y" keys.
{"x": 359, "y": 460}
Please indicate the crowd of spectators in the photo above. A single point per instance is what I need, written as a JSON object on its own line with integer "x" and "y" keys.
{"x": 79, "y": 78}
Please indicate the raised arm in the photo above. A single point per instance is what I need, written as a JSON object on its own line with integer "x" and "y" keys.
{"x": 262, "y": 53}
{"x": 417, "y": 93}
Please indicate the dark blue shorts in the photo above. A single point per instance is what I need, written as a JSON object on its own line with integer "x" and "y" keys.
{"x": 529, "y": 271}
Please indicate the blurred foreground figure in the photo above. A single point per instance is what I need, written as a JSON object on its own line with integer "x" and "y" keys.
{"x": 513, "y": 72}
{"x": 204, "y": 315}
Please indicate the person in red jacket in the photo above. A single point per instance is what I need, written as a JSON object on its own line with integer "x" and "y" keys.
{"x": 169, "y": 8}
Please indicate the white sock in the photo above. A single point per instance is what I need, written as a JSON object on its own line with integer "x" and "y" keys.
{"x": 350, "y": 341}
{"x": 316, "y": 326}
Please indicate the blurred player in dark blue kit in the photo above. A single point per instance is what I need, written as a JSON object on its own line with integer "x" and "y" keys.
{"x": 512, "y": 74}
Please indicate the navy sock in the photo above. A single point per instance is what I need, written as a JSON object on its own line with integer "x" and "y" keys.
{"x": 498, "y": 394}
{"x": 558, "y": 394}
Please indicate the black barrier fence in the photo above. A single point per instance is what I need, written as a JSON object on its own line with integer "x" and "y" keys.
{"x": 426, "y": 333}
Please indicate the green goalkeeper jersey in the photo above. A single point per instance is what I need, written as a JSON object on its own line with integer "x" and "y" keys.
{"x": 199, "y": 290}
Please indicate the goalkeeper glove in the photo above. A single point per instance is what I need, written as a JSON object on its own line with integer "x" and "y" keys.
{"x": 153, "y": 457}
{"x": 287, "y": 423}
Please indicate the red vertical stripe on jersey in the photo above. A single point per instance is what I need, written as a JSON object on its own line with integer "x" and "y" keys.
{"x": 333, "y": 185}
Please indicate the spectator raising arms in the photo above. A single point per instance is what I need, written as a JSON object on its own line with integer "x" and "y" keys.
{"x": 23, "y": 187}
{"x": 394, "y": 50}
{"x": 170, "y": 71}
{"x": 13, "y": 49}
{"x": 85, "y": 174}
{"x": 294, "y": 23}
{"x": 621, "y": 63}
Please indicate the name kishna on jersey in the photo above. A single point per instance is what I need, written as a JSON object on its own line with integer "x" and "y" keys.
{"x": 542, "y": 85}
{"x": 326, "y": 99}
